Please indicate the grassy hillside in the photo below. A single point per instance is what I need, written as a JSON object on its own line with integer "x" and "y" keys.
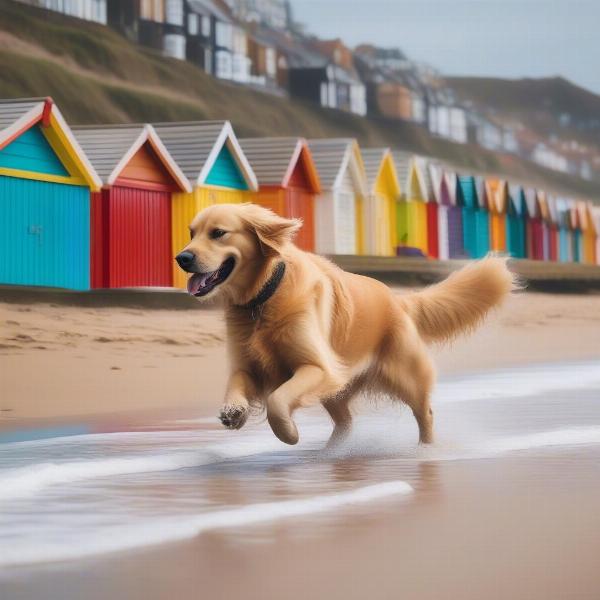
{"x": 97, "y": 76}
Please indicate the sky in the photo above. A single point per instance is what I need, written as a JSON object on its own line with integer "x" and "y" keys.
{"x": 499, "y": 38}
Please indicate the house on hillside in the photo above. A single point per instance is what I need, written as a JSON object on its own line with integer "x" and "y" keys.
{"x": 326, "y": 76}
{"x": 157, "y": 24}
{"x": 264, "y": 60}
{"x": 393, "y": 88}
{"x": 272, "y": 13}
{"x": 88, "y": 10}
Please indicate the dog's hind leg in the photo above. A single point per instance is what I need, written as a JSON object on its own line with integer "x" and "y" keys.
{"x": 338, "y": 407}
{"x": 408, "y": 375}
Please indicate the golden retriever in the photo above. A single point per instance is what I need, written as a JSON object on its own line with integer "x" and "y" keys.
{"x": 301, "y": 331}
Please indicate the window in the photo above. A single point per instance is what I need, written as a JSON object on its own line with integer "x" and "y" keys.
{"x": 271, "y": 62}
{"x": 208, "y": 67}
{"x": 223, "y": 34}
{"x": 223, "y": 67}
{"x": 193, "y": 27}
{"x": 174, "y": 12}
{"x": 174, "y": 46}
{"x": 324, "y": 94}
{"x": 206, "y": 26}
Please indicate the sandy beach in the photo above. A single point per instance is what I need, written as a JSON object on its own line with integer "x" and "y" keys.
{"x": 67, "y": 361}
{"x": 152, "y": 499}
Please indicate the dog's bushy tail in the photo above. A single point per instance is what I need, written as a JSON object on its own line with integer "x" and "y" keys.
{"x": 459, "y": 303}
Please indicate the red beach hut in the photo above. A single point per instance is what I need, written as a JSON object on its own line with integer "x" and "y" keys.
{"x": 131, "y": 215}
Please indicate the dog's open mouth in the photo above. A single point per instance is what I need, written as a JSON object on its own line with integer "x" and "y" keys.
{"x": 200, "y": 284}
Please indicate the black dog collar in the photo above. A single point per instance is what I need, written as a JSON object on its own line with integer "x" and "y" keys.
{"x": 255, "y": 305}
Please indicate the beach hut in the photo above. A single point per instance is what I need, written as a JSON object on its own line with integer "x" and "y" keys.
{"x": 553, "y": 228}
{"x": 131, "y": 215}
{"x": 576, "y": 232}
{"x": 450, "y": 213}
{"x": 340, "y": 206}
{"x": 516, "y": 241}
{"x": 595, "y": 210}
{"x": 588, "y": 233}
{"x": 411, "y": 214}
{"x": 380, "y": 206}
{"x": 427, "y": 170}
{"x": 563, "y": 230}
{"x": 45, "y": 184}
{"x": 544, "y": 207}
{"x": 497, "y": 193}
{"x": 472, "y": 197}
{"x": 288, "y": 182}
{"x": 210, "y": 156}
{"x": 535, "y": 225}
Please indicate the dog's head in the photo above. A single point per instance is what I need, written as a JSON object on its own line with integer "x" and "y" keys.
{"x": 229, "y": 243}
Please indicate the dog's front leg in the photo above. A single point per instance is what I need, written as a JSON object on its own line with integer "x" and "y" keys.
{"x": 234, "y": 412}
{"x": 307, "y": 380}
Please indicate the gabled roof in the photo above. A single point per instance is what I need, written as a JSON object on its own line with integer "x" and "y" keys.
{"x": 516, "y": 197}
{"x": 595, "y": 215}
{"x": 407, "y": 166}
{"x": 333, "y": 157}
{"x": 497, "y": 194}
{"x": 196, "y": 145}
{"x": 374, "y": 160}
{"x": 274, "y": 160}
{"x": 482, "y": 195}
{"x": 111, "y": 147}
{"x": 425, "y": 179}
{"x": 17, "y": 116}
{"x": 531, "y": 202}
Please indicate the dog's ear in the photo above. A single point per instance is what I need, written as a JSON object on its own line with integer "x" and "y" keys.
{"x": 272, "y": 231}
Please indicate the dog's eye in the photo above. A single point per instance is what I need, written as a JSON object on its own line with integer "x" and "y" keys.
{"x": 215, "y": 234}
{"x": 191, "y": 234}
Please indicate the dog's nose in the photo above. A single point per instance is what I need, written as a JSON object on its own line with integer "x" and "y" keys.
{"x": 185, "y": 259}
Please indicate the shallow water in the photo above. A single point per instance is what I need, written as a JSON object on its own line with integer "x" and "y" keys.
{"x": 74, "y": 497}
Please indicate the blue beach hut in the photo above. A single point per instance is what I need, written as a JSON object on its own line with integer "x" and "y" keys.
{"x": 45, "y": 184}
{"x": 476, "y": 223}
{"x": 516, "y": 240}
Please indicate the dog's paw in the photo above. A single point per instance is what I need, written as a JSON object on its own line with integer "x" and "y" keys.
{"x": 233, "y": 416}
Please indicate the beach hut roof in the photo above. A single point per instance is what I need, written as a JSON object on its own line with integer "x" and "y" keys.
{"x": 424, "y": 177}
{"x": 497, "y": 194}
{"x": 196, "y": 145}
{"x": 516, "y": 197}
{"x": 374, "y": 160}
{"x": 409, "y": 171}
{"x": 333, "y": 157}
{"x": 482, "y": 195}
{"x": 595, "y": 216}
{"x": 436, "y": 176}
{"x": 274, "y": 160}
{"x": 111, "y": 147}
{"x": 17, "y": 116}
{"x": 451, "y": 179}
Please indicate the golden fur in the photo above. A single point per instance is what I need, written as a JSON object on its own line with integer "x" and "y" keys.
{"x": 326, "y": 335}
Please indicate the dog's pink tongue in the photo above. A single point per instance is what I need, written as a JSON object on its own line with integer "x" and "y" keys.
{"x": 195, "y": 282}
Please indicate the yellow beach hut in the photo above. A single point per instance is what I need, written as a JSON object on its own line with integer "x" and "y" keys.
{"x": 411, "y": 214}
{"x": 588, "y": 238}
{"x": 595, "y": 213}
{"x": 339, "y": 212}
{"x": 380, "y": 205}
{"x": 210, "y": 156}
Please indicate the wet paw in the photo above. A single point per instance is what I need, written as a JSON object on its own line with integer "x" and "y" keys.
{"x": 233, "y": 417}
